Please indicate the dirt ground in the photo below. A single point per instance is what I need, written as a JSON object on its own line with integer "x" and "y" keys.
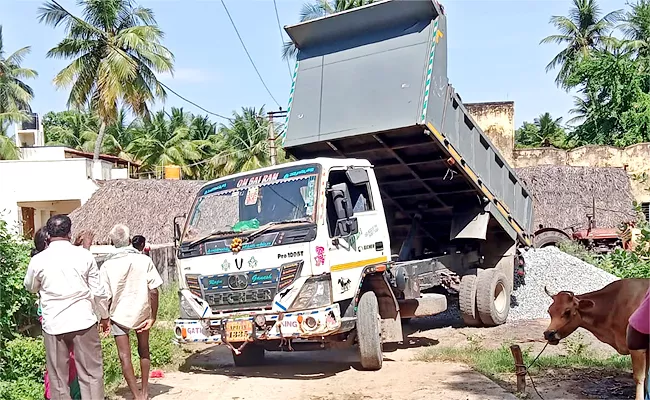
{"x": 335, "y": 374}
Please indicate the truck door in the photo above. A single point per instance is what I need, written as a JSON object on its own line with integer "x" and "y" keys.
{"x": 349, "y": 255}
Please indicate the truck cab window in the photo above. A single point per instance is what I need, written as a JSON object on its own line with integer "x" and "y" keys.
{"x": 360, "y": 195}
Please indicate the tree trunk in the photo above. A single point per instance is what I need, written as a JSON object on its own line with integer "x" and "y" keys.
{"x": 100, "y": 139}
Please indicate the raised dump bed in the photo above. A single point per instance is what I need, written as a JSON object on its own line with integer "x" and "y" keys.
{"x": 372, "y": 83}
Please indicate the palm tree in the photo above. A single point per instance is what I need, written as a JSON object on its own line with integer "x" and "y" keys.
{"x": 165, "y": 140}
{"x": 15, "y": 95}
{"x": 543, "y": 132}
{"x": 317, "y": 9}
{"x": 8, "y": 149}
{"x": 74, "y": 129}
{"x": 243, "y": 144}
{"x": 636, "y": 27}
{"x": 116, "y": 50}
{"x": 119, "y": 135}
{"x": 581, "y": 32}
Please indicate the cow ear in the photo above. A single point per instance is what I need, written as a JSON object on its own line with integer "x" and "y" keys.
{"x": 585, "y": 304}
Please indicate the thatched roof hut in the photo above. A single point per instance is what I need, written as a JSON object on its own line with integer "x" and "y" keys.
{"x": 146, "y": 206}
{"x": 563, "y": 195}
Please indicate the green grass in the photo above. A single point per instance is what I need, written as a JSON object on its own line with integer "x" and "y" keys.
{"x": 168, "y": 306}
{"x": 495, "y": 362}
{"x": 23, "y": 361}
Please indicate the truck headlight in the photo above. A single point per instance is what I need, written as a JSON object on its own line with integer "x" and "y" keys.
{"x": 315, "y": 293}
{"x": 188, "y": 310}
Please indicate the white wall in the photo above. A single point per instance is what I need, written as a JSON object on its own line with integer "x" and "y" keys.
{"x": 33, "y": 181}
{"x": 42, "y": 153}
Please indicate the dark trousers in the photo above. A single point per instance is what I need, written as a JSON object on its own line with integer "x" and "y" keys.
{"x": 88, "y": 360}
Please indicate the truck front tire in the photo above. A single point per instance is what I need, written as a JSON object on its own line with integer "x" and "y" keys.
{"x": 467, "y": 299}
{"x": 369, "y": 332}
{"x": 251, "y": 355}
{"x": 492, "y": 297}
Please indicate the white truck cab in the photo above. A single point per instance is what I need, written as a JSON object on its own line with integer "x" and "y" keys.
{"x": 280, "y": 254}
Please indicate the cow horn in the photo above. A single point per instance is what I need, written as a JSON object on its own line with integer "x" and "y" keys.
{"x": 547, "y": 292}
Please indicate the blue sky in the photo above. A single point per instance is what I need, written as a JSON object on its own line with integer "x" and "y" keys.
{"x": 493, "y": 50}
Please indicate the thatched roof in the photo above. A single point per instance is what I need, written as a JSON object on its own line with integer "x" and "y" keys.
{"x": 563, "y": 195}
{"x": 146, "y": 206}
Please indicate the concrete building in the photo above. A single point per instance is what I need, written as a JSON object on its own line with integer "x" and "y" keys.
{"x": 50, "y": 180}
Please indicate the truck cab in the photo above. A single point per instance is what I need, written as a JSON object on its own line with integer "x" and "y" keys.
{"x": 279, "y": 254}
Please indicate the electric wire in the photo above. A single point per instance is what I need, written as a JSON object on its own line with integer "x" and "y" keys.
{"x": 248, "y": 54}
{"x": 277, "y": 18}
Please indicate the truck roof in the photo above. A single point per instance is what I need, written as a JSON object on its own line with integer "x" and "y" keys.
{"x": 326, "y": 162}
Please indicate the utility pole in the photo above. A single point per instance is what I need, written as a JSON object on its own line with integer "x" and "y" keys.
{"x": 273, "y": 153}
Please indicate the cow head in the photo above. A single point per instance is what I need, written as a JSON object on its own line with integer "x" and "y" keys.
{"x": 566, "y": 317}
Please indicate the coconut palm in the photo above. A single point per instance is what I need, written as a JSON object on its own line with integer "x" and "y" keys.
{"x": 116, "y": 51}
{"x": 74, "y": 129}
{"x": 8, "y": 149}
{"x": 636, "y": 27}
{"x": 165, "y": 140}
{"x": 317, "y": 9}
{"x": 582, "y": 31}
{"x": 15, "y": 95}
{"x": 243, "y": 144}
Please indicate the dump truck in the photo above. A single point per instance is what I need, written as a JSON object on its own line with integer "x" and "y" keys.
{"x": 397, "y": 201}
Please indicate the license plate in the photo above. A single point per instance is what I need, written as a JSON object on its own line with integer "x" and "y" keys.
{"x": 239, "y": 331}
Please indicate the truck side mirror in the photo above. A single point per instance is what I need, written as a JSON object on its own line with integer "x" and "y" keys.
{"x": 177, "y": 230}
{"x": 347, "y": 227}
{"x": 346, "y": 224}
{"x": 341, "y": 200}
{"x": 357, "y": 176}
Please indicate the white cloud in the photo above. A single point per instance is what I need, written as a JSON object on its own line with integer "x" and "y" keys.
{"x": 189, "y": 75}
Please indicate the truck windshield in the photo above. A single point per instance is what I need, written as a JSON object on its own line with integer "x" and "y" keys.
{"x": 253, "y": 201}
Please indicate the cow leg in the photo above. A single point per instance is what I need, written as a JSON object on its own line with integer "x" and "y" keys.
{"x": 638, "y": 372}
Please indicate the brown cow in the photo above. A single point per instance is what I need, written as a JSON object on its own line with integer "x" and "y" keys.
{"x": 605, "y": 313}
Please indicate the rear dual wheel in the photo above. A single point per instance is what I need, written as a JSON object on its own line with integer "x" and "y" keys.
{"x": 484, "y": 298}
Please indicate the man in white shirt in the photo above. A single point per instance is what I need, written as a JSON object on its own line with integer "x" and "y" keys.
{"x": 132, "y": 281}
{"x": 67, "y": 280}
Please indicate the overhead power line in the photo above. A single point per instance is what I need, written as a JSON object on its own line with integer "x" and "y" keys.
{"x": 277, "y": 18}
{"x": 248, "y": 54}
{"x": 193, "y": 103}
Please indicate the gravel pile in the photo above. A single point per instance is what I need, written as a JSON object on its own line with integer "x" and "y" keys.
{"x": 558, "y": 271}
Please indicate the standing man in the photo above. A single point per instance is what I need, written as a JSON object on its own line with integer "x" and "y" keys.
{"x": 132, "y": 281}
{"x": 67, "y": 281}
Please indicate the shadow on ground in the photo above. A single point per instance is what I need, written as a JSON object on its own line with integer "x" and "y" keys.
{"x": 155, "y": 389}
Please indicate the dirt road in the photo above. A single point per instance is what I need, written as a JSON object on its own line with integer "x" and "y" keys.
{"x": 327, "y": 375}
{"x": 336, "y": 375}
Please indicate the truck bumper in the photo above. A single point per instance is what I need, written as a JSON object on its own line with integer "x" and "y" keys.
{"x": 288, "y": 325}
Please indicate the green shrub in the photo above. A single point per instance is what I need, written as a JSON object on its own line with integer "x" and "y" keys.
{"x": 169, "y": 307}
{"x": 21, "y": 389}
{"x": 162, "y": 351}
{"x": 17, "y": 306}
{"x": 24, "y": 358}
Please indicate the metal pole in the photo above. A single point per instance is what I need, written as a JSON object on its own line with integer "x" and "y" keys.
{"x": 272, "y": 149}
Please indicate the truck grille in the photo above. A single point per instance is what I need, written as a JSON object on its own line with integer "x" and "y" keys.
{"x": 240, "y": 291}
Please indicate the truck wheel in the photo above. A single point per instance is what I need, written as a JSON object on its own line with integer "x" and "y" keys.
{"x": 467, "y": 299}
{"x": 549, "y": 238}
{"x": 369, "y": 333}
{"x": 492, "y": 297}
{"x": 252, "y": 354}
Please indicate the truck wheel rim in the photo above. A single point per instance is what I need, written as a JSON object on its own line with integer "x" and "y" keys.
{"x": 500, "y": 297}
